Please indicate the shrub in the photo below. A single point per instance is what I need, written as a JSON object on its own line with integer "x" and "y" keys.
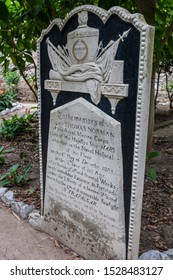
{"x": 6, "y": 100}
{"x": 8, "y": 94}
{"x": 14, "y": 177}
{"x": 12, "y": 78}
{"x": 10, "y": 128}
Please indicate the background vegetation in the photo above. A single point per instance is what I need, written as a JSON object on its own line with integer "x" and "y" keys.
{"x": 21, "y": 22}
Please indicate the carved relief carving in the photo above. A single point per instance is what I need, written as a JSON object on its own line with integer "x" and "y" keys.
{"x": 80, "y": 50}
{"x": 84, "y": 60}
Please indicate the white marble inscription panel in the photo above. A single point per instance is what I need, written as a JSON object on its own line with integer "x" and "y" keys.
{"x": 84, "y": 184}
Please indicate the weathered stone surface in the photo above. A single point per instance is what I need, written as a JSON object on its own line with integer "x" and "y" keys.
{"x": 16, "y": 206}
{"x": 8, "y": 198}
{"x": 81, "y": 191}
{"x": 2, "y": 192}
{"x": 154, "y": 255}
{"x": 37, "y": 224}
{"x": 35, "y": 219}
{"x": 22, "y": 209}
{"x": 25, "y": 210}
{"x": 34, "y": 214}
{"x": 169, "y": 253}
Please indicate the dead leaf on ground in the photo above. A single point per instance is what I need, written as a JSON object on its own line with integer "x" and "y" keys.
{"x": 161, "y": 246}
{"x": 151, "y": 227}
{"x": 156, "y": 238}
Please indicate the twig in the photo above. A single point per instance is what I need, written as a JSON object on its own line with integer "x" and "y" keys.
{"x": 163, "y": 124}
{"x": 15, "y": 215}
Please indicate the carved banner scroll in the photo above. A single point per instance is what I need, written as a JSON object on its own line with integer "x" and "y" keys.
{"x": 84, "y": 63}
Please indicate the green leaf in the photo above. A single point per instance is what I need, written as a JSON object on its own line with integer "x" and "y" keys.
{"x": 2, "y": 159}
{"x": 1, "y": 149}
{"x": 5, "y": 182}
{"x": 20, "y": 45}
{"x": 14, "y": 168}
{"x": 8, "y": 2}
{"x": 19, "y": 178}
{"x": 5, "y": 175}
{"x": 6, "y": 65}
{"x": 27, "y": 168}
{"x": 31, "y": 191}
{"x": 13, "y": 58}
{"x": 160, "y": 16}
{"x": 153, "y": 154}
{"x": 28, "y": 58}
{"x": 1, "y": 59}
{"x": 8, "y": 151}
{"x": 152, "y": 173}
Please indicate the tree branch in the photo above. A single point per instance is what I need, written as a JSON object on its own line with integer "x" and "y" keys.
{"x": 148, "y": 9}
{"x": 168, "y": 33}
{"x": 21, "y": 72}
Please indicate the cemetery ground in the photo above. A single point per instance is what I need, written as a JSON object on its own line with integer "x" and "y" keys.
{"x": 157, "y": 211}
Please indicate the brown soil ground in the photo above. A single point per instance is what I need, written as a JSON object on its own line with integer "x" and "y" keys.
{"x": 25, "y": 151}
{"x": 157, "y": 212}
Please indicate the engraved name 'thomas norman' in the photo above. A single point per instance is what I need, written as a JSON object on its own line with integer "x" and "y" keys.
{"x": 84, "y": 65}
{"x": 77, "y": 132}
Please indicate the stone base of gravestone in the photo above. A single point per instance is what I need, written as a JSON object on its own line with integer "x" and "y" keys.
{"x": 84, "y": 205}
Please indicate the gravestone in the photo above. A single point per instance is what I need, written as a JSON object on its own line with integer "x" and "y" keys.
{"x": 94, "y": 77}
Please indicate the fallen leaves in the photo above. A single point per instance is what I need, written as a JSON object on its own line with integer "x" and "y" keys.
{"x": 151, "y": 227}
{"x": 161, "y": 246}
{"x": 67, "y": 250}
